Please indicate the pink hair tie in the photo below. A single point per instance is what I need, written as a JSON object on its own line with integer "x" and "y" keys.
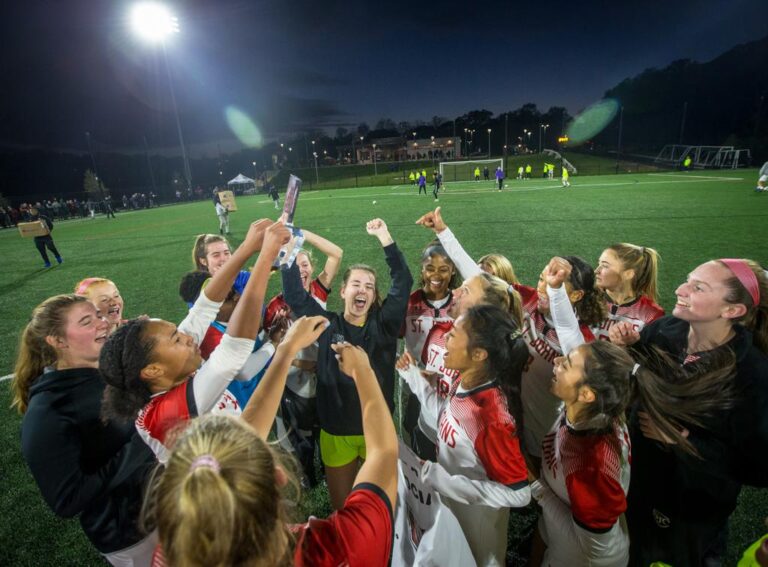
{"x": 746, "y": 277}
{"x": 84, "y": 285}
{"x": 208, "y": 461}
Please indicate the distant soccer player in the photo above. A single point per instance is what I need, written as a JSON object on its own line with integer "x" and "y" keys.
{"x": 486, "y": 173}
{"x": 762, "y": 178}
{"x": 528, "y": 170}
{"x": 477, "y": 174}
{"x": 500, "y": 177}
{"x": 520, "y": 172}
{"x": 422, "y": 183}
{"x": 566, "y": 183}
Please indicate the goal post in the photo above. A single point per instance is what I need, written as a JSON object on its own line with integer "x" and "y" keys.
{"x": 465, "y": 170}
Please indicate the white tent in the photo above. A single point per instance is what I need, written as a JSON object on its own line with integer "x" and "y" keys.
{"x": 241, "y": 180}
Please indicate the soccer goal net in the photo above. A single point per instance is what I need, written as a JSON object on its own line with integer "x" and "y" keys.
{"x": 465, "y": 170}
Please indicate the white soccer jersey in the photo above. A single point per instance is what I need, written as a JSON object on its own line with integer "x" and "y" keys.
{"x": 480, "y": 471}
{"x": 582, "y": 493}
{"x": 638, "y": 312}
{"x": 540, "y": 406}
{"x": 419, "y": 318}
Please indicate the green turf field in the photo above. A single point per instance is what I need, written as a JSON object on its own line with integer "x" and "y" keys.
{"x": 689, "y": 217}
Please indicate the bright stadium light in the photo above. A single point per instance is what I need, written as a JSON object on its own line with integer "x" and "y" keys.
{"x": 153, "y": 22}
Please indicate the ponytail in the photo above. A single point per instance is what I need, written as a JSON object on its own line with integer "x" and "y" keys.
{"x": 590, "y": 309}
{"x": 645, "y": 263}
{"x": 48, "y": 319}
{"x": 674, "y": 397}
{"x": 217, "y": 502}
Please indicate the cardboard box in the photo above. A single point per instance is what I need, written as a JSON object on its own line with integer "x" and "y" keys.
{"x": 35, "y": 228}
{"x": 227, "y": 199}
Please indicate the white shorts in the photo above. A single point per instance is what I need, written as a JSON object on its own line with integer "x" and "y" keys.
{"x": 763, "y": 179}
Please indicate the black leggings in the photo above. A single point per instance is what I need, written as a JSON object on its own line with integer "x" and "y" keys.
{"x": 43, "y": 242}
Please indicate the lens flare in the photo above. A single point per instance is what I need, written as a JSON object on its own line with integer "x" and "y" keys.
{"x": 243, "y": 127}
{"x": 592, "y": 121}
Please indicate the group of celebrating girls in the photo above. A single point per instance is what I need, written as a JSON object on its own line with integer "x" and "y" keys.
{"x": 632, "y": 431}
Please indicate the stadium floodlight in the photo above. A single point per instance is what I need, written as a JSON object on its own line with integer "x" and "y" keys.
{"x": 153, "y": 22}
{"x": 375, "y": 168}
{"x": 489, "y": 143}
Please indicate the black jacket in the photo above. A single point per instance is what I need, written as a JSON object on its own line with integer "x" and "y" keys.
{"x": 680, "y": 491}
{"x": 82, "y": 466}
{"x": 338, "y": 405}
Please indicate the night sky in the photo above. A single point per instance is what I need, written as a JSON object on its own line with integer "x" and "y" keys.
{"x": 72, "y": 66}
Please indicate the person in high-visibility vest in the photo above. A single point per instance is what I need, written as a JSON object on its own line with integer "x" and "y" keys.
{"x": 566, "y": 183}
{"x": 477, "y": 174}
{"x": 687, "y": 162}
{"x": 520, "y": 172}
{"x": 545, "y": 170}
{"x": 551, "y": 170}
{"x": 412, "y": 178}
{"x": 528, "y": 170}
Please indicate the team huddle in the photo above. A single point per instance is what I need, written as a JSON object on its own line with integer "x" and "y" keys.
{"x": 632, "y": 431}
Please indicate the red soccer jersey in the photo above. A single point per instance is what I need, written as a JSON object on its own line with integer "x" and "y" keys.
{"x": 316, "y": 290}
{"x": 211, "y": 339}
{"x": 638, "y": 312}
{"x": 360, "y": 534}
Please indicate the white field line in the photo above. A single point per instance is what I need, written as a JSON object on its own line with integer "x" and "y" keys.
{"x": 4, "y": 378}
{"x": 515, "y": 189}
{"x": 696, "y": 176}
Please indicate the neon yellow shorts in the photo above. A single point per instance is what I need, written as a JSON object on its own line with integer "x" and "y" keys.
{"x": 340, "y": 450}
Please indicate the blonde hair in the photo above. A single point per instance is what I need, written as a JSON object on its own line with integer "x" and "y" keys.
{"x": 217, "y": 502}
{"x": 499, "y": 293}
{"x": 48, "y": 319}
{"x": 645, "y": 262}
{"x": 200, "y": 248}
{"x": 83, "y": 286}
{"x": 499, "y": 266}
{"x": 756, "y": 317}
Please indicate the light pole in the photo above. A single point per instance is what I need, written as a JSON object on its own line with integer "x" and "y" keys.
{"x": 154, "y": 23}
{"x": 489, "y": 143}
{"x": 375, "y": 167}
{"x": 317, "y": 173}
{"x": 542, "y": 127}
{"x": 361, "y": 146}
{"x": 255, "y": 175}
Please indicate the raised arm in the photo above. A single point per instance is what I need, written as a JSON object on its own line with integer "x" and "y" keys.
{"x": 466, "y": 265}
{"x": 380, "y": 466}
{"x": 333, "y": 255}
{"x": 299, "y": 299}
{"x": 396, "y": 302}
{"x": 566, "y": 324}
{"x": 261, "y": 409}
{"x": 246, "y": 318}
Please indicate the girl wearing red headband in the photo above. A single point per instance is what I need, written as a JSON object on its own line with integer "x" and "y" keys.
{"x": 679, "y": 505}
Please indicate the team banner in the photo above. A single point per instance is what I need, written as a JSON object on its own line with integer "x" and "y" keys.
{"x": 426, "y": 531}
{"x": 290, "y": 250}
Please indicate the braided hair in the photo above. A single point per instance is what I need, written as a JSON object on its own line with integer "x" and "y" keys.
{"x": 123, "y": 356}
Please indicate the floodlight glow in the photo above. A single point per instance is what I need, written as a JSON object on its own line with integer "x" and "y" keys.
{"x": 153, "y": 22}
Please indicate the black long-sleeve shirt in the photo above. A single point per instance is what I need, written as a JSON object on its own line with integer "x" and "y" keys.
{"x": 337, "y": 400}
{"x": 81, "y": 465}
